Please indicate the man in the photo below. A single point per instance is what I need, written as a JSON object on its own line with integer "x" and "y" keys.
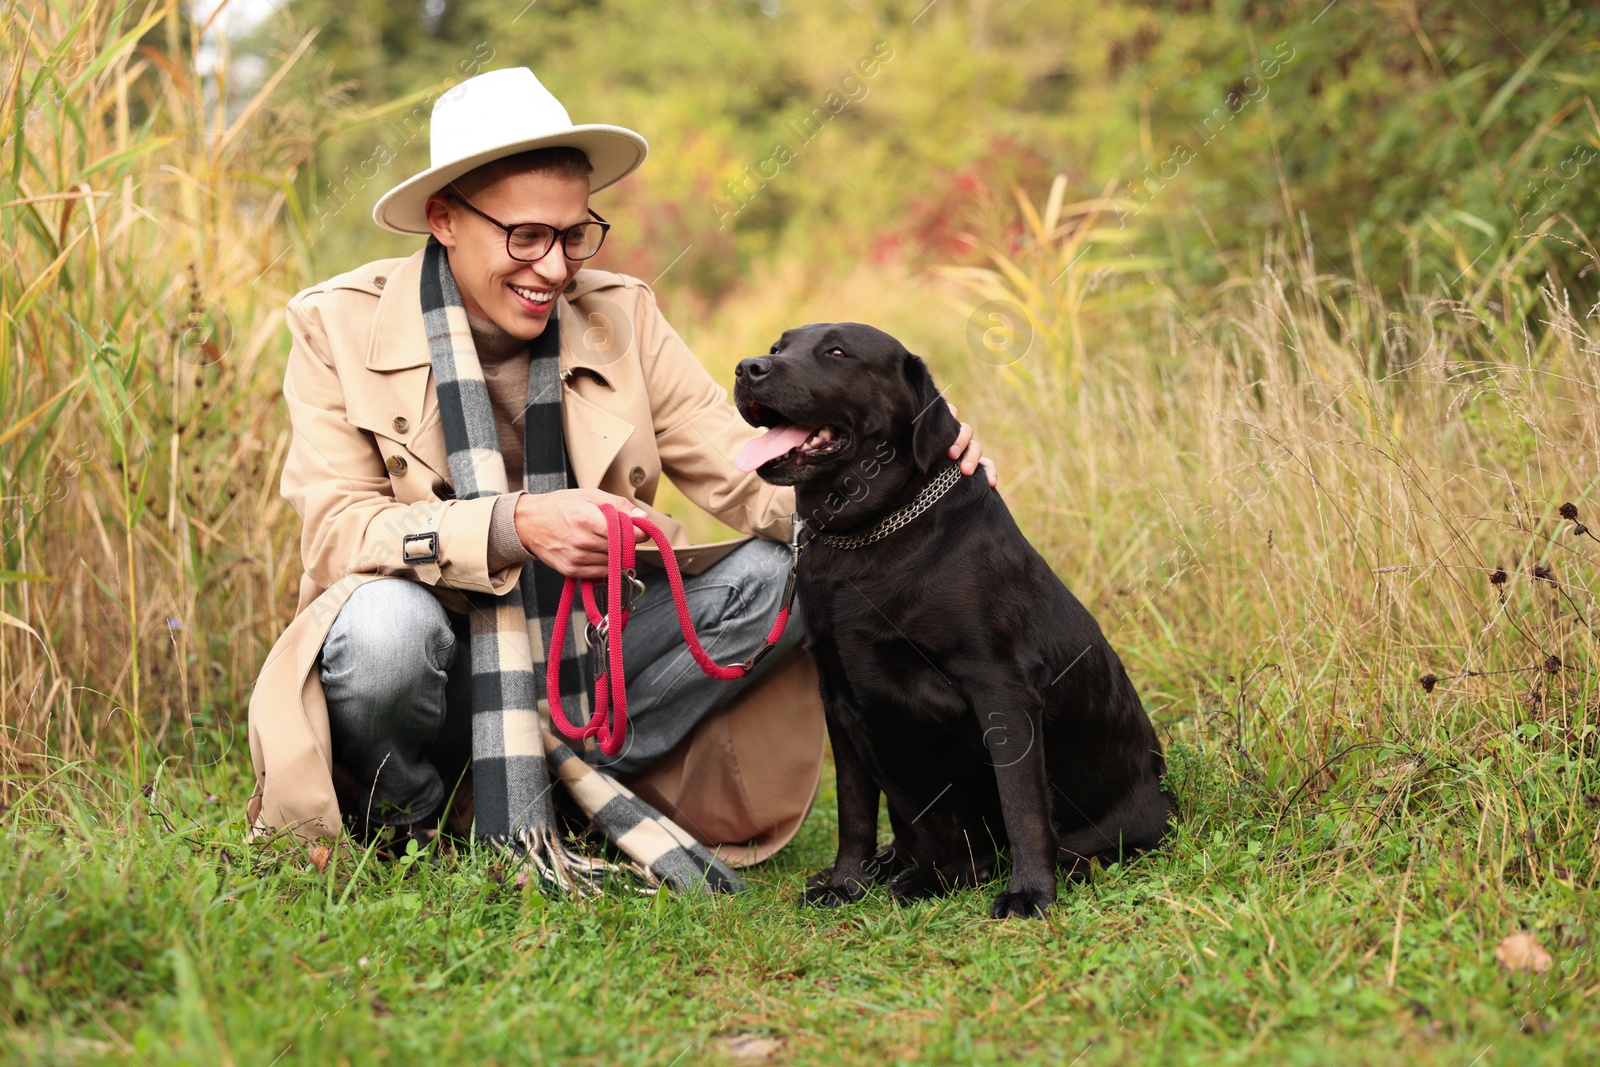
{"x": 580, "y": 394}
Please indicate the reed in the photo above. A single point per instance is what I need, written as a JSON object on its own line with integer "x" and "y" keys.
{"x": 1324, "y": 524}
{"x": 149, "y": 245}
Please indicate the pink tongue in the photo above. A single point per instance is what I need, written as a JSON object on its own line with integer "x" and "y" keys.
{"x": 770, "y": 445}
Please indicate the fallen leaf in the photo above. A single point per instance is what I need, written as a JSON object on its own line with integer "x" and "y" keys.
{"x": 750, "y": 1047}
{"x": 320, "y": 855}
{"x": 1522, "y": 952}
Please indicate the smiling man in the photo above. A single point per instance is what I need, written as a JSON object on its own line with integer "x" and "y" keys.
{"x": 458, "y": 418}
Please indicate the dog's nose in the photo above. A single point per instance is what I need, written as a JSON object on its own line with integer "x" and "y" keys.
{"x": 755, "y": 368}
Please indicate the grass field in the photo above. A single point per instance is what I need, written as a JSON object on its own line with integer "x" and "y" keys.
{"x": 1320, "y": 521}
{"x": 147, "y": 929}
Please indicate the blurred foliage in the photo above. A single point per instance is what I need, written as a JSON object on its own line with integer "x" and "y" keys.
{"x": 1419, "y": 139}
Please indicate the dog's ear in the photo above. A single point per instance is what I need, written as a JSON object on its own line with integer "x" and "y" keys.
{"x": 933, "y": 429}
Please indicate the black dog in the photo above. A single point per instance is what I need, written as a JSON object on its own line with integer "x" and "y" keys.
{"x": 959, "y": 676}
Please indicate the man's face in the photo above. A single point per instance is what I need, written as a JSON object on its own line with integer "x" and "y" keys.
{"x": 518, "y": 297}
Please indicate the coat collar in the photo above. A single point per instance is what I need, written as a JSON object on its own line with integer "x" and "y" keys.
{"x": 398, "y": 351}
{"x": 400, "y": 342}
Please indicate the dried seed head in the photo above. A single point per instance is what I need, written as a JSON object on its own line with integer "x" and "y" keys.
{"x": 1428, "y": 681}
{"x": 1552, "y": 663}
{"x": 1498, "y": 577}
{"x": 1543, "y": 573}
{"x": 1569, "y": 511}
{"x": 1579, "y": 530}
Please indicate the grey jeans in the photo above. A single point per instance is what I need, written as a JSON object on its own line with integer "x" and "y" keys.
{"x": 398, "y": 683}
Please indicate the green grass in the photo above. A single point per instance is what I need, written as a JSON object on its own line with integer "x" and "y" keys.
{"x": 1357, "y": 925}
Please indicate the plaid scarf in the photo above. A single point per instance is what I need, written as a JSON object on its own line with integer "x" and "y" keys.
{"x": 514, "y": 751}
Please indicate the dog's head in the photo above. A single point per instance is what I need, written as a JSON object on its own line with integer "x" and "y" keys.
{"x": 832, "y": 391}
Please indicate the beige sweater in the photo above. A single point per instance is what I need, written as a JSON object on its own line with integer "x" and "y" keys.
{"x": 505, "y": 361}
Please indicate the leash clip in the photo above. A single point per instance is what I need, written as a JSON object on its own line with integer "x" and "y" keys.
{"x": 794, "y": 537}
{"x": 599, "y": 646}
{"x": 633, "y": 590}
{"x": 761, "y": 653}
{"x": 788, "y": 589}
{"x": 795, "y": 548}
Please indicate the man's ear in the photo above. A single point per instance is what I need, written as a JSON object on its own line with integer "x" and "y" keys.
{"x": 933, "y": 429}
{"x": 440, "y": 222}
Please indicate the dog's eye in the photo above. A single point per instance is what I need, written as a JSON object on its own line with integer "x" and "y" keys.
{"x": 773, "y": 350}
{"x": 836, "y": 351}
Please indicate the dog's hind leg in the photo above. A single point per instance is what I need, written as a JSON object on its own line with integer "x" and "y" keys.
{"x": 887, "y": 862}
{"x": 1135, "y": 825}
{"x": 898, "y": 854}
{"x": 964, "y": 857}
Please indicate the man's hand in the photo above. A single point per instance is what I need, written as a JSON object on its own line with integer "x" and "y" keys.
{"x": 970, "y": 451}
{"x": 567, "y": 530}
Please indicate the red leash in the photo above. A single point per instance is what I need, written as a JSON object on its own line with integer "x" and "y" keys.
{"x": 610, "y": 720}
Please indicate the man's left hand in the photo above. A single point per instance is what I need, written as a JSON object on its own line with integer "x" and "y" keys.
{"x": 966, "y": 446}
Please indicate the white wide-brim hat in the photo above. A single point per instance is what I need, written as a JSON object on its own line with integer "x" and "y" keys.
{"x": 495, "y": 115}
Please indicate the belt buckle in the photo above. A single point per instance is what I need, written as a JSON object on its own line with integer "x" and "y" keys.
{"x": 429, "y": 555}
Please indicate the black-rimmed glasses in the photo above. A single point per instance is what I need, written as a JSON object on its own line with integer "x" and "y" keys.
{"x": 529, "y": 242}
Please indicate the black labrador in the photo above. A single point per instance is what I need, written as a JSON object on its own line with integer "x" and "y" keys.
{"x": 959, "y": 676}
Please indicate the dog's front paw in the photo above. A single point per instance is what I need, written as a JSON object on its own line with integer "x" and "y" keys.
{"x": 1024, "y": 902}
{"x": 820, "y": 879}
{"x": 918, "y": 883}
{"x": 888, "y": 861}
{"x": 832, "y": 896}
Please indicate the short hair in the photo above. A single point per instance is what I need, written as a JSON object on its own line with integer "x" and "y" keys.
{"x": 561, "y": 160}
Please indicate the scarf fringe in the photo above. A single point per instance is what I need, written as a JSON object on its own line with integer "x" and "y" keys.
{"x": 542, "y": 854}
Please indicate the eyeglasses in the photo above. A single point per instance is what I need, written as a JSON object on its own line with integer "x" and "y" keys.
{"x": 529, "y": 242}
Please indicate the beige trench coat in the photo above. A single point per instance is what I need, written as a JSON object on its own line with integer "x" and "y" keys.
{"x": 367, "y": 465}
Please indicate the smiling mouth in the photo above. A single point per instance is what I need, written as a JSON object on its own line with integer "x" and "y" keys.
{"x": 534, "y": 299}
{"x": 786, "y": 443}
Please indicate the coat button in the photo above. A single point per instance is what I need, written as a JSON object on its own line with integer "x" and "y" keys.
{"x": 396, "y": 465}
{"x": 400, "y": 424}
{"x": 380, "y": 281}
{"x": 570, "y": 286}
{"x": 636, "y": 476}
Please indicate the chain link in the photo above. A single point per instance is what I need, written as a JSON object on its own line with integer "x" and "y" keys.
{"x": 924, "y": 500}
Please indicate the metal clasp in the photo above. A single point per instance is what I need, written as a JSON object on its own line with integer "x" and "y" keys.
{"x": 761, "y": 654}
{"x": 795, "y": 548}
{"x": 633, "y": 590}
{"x": 599, "y": 646}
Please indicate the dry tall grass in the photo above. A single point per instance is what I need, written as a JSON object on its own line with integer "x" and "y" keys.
{"x": 1324, "y": 525}
{"x": 147, "y": 557}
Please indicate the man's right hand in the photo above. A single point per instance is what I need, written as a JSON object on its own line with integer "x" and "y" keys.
{"x": 567, "y": 530}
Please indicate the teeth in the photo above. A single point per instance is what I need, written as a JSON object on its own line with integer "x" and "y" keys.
{"x": 819, "y": 438}
{"x": 534, "y": 295}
